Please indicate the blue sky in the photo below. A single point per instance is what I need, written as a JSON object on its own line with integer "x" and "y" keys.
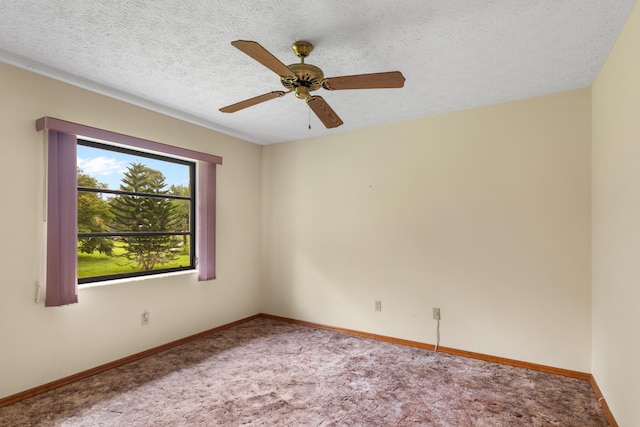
{"x": 109, "y": 166}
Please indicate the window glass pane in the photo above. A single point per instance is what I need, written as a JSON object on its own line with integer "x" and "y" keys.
{"x": 123, "y": 194}
{"x": 116, "y": 260}
{"x": 109, "y": 169}
{"x": 147, "y": 214}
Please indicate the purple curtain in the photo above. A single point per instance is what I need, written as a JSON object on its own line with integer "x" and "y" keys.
{"x": 62, "y": 246}
{"x": 206, "y": 227}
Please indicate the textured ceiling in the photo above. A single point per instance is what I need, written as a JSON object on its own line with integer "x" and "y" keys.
{"x": 175, "y": 56}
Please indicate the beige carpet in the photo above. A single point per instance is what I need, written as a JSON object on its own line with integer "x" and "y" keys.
{"x": 269, "y": 373}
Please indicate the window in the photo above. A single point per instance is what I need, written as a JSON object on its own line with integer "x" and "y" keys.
{"x": 136, "y": 213}
{"x": 62, "y": 191}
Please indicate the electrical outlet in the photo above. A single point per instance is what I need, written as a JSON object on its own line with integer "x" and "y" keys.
{"x": 436, "y": 313}
{"x": 144, "y": 318}
{"x": 378, "y": 305}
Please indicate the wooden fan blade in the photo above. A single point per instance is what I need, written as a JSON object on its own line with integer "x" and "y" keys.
{"x": 392, "y": 79}
{"x": 327, "y": 116}
{"x": 263, "y": 56}
{"x": 252, "y": 101}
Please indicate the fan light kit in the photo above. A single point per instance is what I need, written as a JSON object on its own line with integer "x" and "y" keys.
{"x": 302, "y": 79}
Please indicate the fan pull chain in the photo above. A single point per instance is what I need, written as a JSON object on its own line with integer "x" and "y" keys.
{"x": 309, "y": 116}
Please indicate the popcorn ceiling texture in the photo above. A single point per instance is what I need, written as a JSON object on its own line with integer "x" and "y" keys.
{"x": 174, "y": 56}
{"x": 269, "y": 373}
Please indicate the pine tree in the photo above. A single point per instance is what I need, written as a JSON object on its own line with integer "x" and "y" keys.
{"x": 146, "y": 214}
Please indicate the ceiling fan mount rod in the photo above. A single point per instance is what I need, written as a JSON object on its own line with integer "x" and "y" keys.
{"x": 302, "y": 49}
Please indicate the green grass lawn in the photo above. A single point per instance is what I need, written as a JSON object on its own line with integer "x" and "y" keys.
{"x": 97, "y": 264}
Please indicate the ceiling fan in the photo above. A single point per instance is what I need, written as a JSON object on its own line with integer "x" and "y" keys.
{"x": 305, "y": 78}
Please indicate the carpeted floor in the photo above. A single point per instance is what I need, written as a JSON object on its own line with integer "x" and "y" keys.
{"x": 269, "y": 373}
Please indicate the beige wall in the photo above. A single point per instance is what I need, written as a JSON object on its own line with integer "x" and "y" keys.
{"x": 38, "y": 344}
{"x": 484, "y": 213}
{"x": 616, "y": 226}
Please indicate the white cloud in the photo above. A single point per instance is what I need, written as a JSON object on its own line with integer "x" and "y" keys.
{"x": 101, "y": 166}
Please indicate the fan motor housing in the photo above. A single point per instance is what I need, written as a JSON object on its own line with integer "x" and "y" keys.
{"x": 307, "y": 75}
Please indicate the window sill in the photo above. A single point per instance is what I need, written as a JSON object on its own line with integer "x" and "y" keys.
{"x": 137, "y": 279}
